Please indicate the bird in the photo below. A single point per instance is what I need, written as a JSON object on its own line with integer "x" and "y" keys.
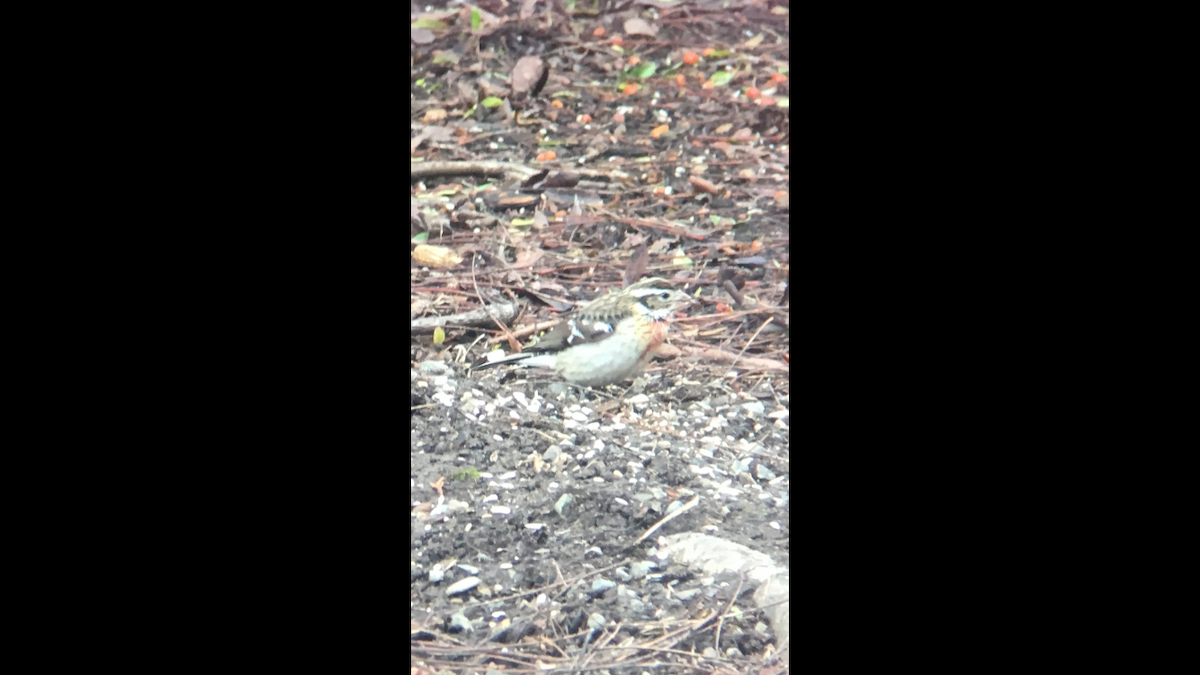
{"x": 608, "y": 340}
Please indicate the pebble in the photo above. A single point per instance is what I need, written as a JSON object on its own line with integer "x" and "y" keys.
{"x": 433, "y": 368}
{"x": 462, "y": 586}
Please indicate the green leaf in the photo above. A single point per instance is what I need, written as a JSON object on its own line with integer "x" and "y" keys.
{"x": 644, "y": 70}
{"x": 421, "y": 238}
{"x": 782, "y": 101}
{"x": 719, "y": 54}
{"x": 716, "y": 220}
{"x": 521, "y": 222}
{"x": 431, "y": 24}
{"x": 491, "y": 102}
{"x": 617, "y": 49}
{"x": 414, "y": 160}
{"x": 439, "y": 335}
{"x": 683, "y": 262}
{"x": 721, "y": 78}
{"x": 564, "y": 94}
{"x": 470, "y": 112}
{"x": 476, "y": 20}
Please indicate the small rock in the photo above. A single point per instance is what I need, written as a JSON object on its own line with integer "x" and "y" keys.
{"x": 462, "y": 586}
{"x": 433, "y": 368}
{"x": 640, "y": 569}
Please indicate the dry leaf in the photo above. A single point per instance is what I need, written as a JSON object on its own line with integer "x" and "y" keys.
{"x": 527, "y": 9}
{"x": 421, "y": 36}
{"x": 434, "y": 115}
{"x": 637, "y": 26}
{"x": 723, "y": 129}
{"x": 526, "y": 257}
{"x": 703, "y": 185}
{"x": 726, "y": 148}
{"x": 436, "y": 256}
{"x": 528, "y": 76}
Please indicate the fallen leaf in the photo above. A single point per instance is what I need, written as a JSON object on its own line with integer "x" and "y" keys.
{"x": 703, "y": 185}
{"x": 436, "y": 256}
{"x": 529, "y": 75}
{"x": 637, "y": 26}
{"x": 421, "y": 36}
{"x": 527, "y": 257}
{"x": 434, "y": 115}
{"x": 726, "y": 148}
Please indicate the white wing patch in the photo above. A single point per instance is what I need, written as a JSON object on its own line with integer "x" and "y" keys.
{"x": 592, "y": 328}
{"x": 574, "y": 333}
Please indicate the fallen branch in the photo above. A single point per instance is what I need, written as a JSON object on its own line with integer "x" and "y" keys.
{"x": 747, "y": 362}
{"x": 479, "y": 317}
{"x": 517, "y": 172}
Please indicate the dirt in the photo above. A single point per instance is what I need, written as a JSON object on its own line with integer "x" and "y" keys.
{"x": 532, "y": 498}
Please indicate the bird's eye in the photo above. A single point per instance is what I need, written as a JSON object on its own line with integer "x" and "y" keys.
{"x": 664, "y": 295}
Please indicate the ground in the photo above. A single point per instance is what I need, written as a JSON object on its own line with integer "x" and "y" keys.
{"x": 531, "y": 498}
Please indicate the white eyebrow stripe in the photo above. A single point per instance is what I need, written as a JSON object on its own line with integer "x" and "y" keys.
{"x": 601, "y": 327}
{"x": 644, "y": 292}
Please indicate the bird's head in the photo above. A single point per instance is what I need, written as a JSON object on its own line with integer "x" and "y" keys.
{"x": 658, "y": 296}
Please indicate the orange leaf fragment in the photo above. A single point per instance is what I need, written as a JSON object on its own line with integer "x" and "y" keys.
{"x": 691, "y": 58}
{"x": 753, "y": 94}
{"x": 633, "y": 60}
{"x": 556, "y": 103}
{"x": 680, "y": 80}
{"x": 766, "y": 101}
{"x": 631, "y": 88}
{"x": 659, "y": 131}
{"x": 708, "y": 85}
{"x": 708, "y": 52}
{"x": 599, "y": 32}
{"x": 584, "y": 119}
{"x": 778, "y": 77}
{"x": 618, "y": 41}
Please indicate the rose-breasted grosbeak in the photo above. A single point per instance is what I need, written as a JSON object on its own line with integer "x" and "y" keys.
{"x": 608, "y": 340}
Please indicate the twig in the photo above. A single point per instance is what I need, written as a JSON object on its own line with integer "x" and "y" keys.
{"x": 721, "y": 621}
{"x": 675, "y": 514}
{"x": 739, "y": 300}
{"x": 471, "y": 319}
{"x": 760, "y": 328}
{"x": 512, "y": 341}
{"x": 528, "y": 330}
{"x": 482, "y": 167}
